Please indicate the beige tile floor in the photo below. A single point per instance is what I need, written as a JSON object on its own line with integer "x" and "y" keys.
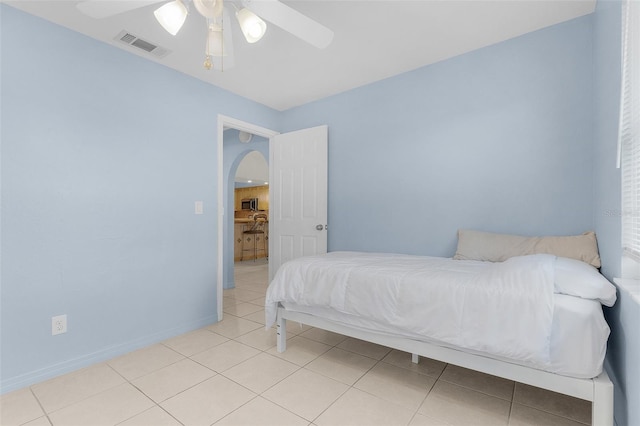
{"x": 229, "y": 373}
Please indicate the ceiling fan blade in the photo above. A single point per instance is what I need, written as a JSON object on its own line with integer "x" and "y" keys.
{"x": 292, "y": 21}
{"x": 99, "y": 9}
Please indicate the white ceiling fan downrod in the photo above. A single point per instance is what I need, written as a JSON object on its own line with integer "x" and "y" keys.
{"x": 215, "y": 44}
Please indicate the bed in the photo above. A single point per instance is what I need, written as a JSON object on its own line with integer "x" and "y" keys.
{"x": 533, "y": 317}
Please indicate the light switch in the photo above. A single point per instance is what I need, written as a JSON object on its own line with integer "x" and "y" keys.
{"x": 199, "y": 207}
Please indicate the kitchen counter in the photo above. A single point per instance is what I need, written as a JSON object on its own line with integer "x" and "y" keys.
{"x": 244, "y": 220}
{"x": 240, "y": 225}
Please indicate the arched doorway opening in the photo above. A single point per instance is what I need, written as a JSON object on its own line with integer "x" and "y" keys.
{"x": 233, "y": 146}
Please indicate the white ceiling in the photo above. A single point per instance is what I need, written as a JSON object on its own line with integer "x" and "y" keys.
{"x": 374, "y": 39}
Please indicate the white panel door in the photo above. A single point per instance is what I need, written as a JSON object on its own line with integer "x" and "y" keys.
{"x": 298, "y": 195}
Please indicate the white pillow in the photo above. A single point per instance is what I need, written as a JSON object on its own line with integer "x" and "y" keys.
{"x": 580, "y": 279}
{"x": 492, "y": 247}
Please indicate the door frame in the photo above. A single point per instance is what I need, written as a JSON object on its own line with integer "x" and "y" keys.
{"x": 225, "y": 122}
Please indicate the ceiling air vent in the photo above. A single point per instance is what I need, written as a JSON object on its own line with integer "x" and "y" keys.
{"x": 135, "y": 41}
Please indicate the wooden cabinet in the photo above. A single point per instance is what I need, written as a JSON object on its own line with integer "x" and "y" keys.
{"x": 237, "y": 240}
{"x": 238, "y": 237}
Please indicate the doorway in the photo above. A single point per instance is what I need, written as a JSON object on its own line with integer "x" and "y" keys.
{"x": 226, "y": 185}
{"x": 251, "y": 199}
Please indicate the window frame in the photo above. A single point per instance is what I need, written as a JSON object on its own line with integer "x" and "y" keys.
{"x": 629, "y": 138}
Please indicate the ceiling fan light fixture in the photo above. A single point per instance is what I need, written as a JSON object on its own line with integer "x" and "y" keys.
{"x": 252, "y": 26}
{"x": 171, "y": 16}
{"x": 210, "y": 9}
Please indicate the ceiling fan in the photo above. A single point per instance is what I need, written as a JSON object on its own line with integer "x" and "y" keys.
{"x": 218, "y": 45}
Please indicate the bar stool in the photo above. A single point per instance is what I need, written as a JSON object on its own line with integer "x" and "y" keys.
{"x": 257, "y": 231}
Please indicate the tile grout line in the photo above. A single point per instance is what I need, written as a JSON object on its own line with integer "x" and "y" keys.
{"x": 513, "y": 401}
{"x": 48, "y": 413}
{"x": 40, "y": 405}
{"x": 428, "y": 392}
{"x": 156, "y": 404}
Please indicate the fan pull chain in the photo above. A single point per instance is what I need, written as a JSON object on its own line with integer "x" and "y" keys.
{"x": 207, "y": 58}
{"x": 207, "y": 62}
{"x": 222, "y": 45}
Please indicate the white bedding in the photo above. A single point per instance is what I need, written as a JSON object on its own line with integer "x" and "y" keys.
{"x": 507, "y": 310}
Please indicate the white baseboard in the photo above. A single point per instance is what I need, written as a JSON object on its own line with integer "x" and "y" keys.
{"x": 37, "y": 376}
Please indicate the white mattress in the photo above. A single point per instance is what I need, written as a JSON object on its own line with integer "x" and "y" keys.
{"x": 578, "y": 336}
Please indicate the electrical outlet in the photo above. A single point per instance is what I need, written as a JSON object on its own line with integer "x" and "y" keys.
{"x": 58, "y": 324}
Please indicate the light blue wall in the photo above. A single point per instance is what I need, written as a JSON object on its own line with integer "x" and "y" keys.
{"x": 103, "y": 156}
{"x": 499, "y": 139}
{"x": 234, "y": 152}
{"x": 606, "y": 105}
{"x": 623, "y": 354}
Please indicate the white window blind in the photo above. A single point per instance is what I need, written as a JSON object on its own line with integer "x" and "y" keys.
{"x": 629, "y": 131}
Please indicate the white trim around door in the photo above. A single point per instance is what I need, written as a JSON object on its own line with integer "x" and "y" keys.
{"x": 225, "y": 122}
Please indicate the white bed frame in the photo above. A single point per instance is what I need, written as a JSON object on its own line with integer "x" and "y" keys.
{"x": 598, "y": 390}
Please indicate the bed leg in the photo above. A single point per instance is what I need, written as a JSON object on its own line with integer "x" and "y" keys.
{"x": 602, "y": 405}
{"x": 281, "y": 333}
{"x": 415, "y": 358}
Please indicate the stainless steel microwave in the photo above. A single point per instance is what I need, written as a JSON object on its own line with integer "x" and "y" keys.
{"x": 250, "y": 204}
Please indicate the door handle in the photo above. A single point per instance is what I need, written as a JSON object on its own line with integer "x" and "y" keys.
{"x": 319, "y": 227}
